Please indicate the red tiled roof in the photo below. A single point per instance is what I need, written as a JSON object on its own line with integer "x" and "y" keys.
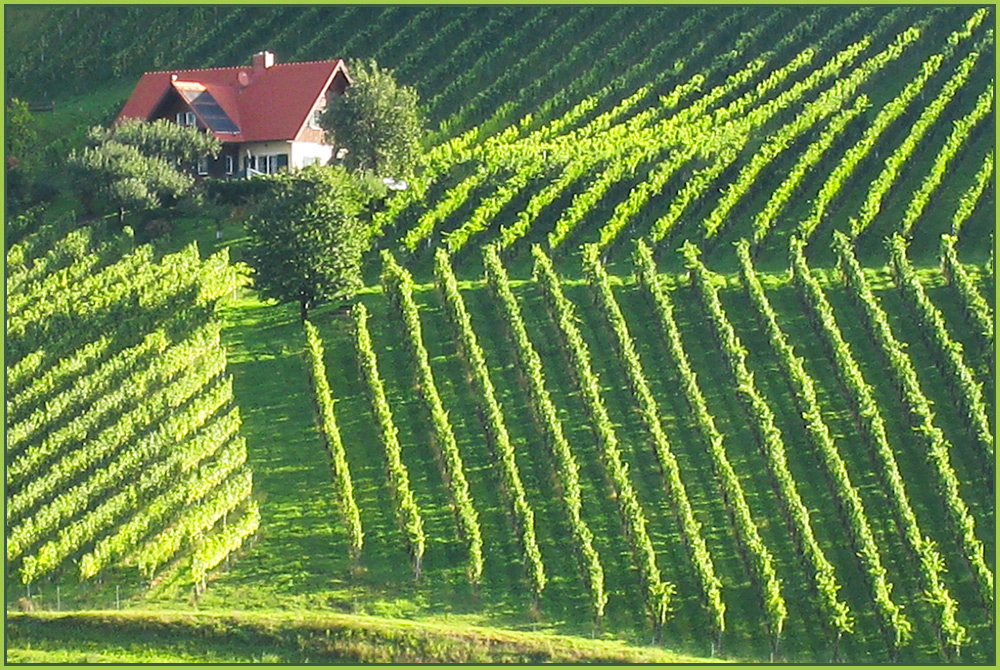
{"x": 274, "y": 104}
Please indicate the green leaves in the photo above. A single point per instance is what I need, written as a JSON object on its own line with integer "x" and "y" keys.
{"x": 398, "y": 284}
{"x": 762, "y": 419}
{"x": 693, "y": 539}
{"x": 120, "y": 177}
{"x": 407, "y": 513}
{"x": 567, "y": 470}
{"x": 307, "y": 236}
{"x": 163, "y": 139}
{"x": 872, "y": 425}
{"x": 377, "y": 120}
{"x": 890, "y": 614}
{"x": 633, "y": 518}
{"x": 962, "y": 384}
{"x": 343, "y": 486}
{"x": 937, "y": 448}
{"x": 493, "y": 420}
{"x": 760, "y": 558}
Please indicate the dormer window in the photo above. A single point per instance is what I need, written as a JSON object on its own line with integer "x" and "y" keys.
{"x": 186, "y": 119}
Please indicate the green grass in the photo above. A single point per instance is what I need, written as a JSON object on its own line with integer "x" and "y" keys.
{"x": 248, "y": 637}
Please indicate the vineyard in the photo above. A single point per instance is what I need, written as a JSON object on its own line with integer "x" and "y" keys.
{"x": 683, "y": 334}
{"x": 123, "y": 446}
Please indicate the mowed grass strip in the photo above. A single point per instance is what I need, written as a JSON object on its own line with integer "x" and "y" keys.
{"x": 688, "y": 619}
{"x": 600, "y": 510}
{"x": 300, "y": 638}
{"x": 565, "y": 595}
{"x": 502, "y": 576}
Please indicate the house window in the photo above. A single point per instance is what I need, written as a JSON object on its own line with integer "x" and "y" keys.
{"x": 315, "y": 117}
{"x": 271, "y": 163}
{"x": 187, "y": 119}
{"x": 203, "y": 165}
{"x": 230, "y": 164}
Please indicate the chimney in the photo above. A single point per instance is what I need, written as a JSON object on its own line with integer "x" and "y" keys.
{"x": 262, "y": 60}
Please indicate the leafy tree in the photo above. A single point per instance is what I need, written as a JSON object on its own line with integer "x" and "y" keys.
{"x": 119, "y": 177}
{"x": 307, "y": 236}
{"x": 21, "y": 143}
{"x": 377, "y": 121}
{"x": 163, "y": 139}
{"x": 137, "y": 165}
{"x": 21, "y": 137}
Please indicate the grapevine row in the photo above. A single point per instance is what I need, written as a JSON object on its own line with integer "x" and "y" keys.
{"x": 970, "y": 198}
{"x": 54, "y": 276}
{"x": 567, "y": 470}
{"x": 959, "y": 134}
{"x": 849, "y": 502}
{"x": 765, "y": 219}
{"x": 493, "y": 421}
{"x": 694, "y": 542}
{"x": 130, "y": 454}
{"x": 745, "y": 123}
{"x": 825, "y": 104}
{"x": 398, "y": 285}
{"x": 895, "y": 162}
{"x": 845, "y": 167}
{"x": 216, "y": 439}
{"x": 94, "y": 448}
{"x": 949, "y": 357}
{"x": 222, "y": 543}
{"x": 408, "y": 515}
{"x": 199, "y": 516}
{"x": 761, "y": 417}
{"x": 459, "y": 83}
{"x": 937, "y": 447}
{"x": 142, "y": 456}
{"x": 976, "y": 309}
{"x": 760, "y": 558}
{"x": 511, "y": 75}
{"x": 91, "y": 399}
{"x": 869, "y": 417}
{"x": 480, "y": 219}
{"x": 342, "y": 484}
{"x": 46, "y": 249}
{"x": 54, "y": 380}
{"x": 658, "y": 592}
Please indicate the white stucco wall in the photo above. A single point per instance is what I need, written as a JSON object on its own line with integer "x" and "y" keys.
{"x": 301, "y": 151}
{"x": 298, "y": 152}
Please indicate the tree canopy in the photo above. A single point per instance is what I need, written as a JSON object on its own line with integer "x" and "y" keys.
{"x": 159, "y": 139}
{"x": 377, "y": 121}
{"x": 307, "y": 236}
{"x": 137, "y": 165}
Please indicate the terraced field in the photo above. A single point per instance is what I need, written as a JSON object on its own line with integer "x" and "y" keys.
{"x": 683, "y": 334}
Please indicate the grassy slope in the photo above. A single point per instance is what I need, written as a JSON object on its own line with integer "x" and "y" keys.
{"x": 241, "y": 637}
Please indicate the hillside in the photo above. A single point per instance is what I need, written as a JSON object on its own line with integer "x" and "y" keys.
{"x": 612, "y": 376}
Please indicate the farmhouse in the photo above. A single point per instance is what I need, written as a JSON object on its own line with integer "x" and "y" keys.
{"x": 266, "y": 115}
